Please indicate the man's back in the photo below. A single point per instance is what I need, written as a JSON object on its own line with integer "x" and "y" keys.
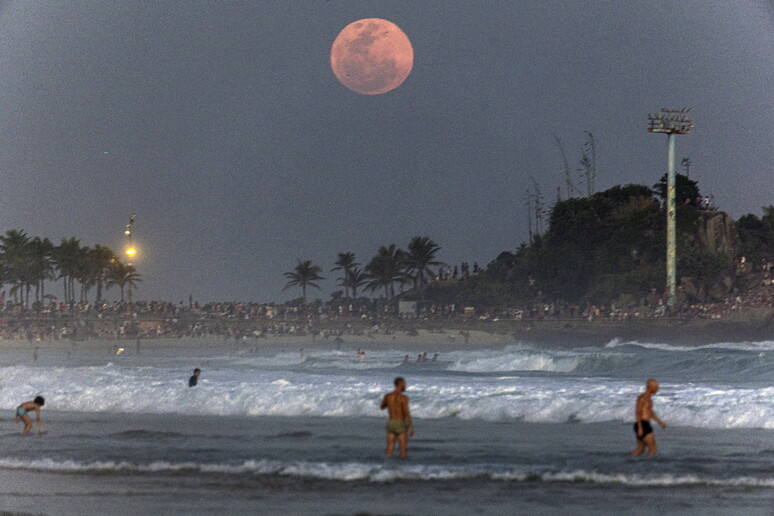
{"x": 396, "y": 404}
{"x": 399, "y": 424}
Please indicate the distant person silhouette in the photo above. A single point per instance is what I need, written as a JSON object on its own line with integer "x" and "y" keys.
{"x": 193, "y": 380}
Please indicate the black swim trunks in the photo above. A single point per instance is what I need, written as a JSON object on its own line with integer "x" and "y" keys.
{"x": 646, "y": 429}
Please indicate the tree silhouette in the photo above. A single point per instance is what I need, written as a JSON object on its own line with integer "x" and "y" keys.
{"x": 685, "y": 189}
{"x": 304, "y": 274}
{"x": 345, "y": 263}
{"x": 385, "y": 269}
{"x": 122, "y": 275}
{"x": 420, "y": 258}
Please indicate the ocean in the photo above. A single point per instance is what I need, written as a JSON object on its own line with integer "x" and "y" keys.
{"x": 294, "y": 427}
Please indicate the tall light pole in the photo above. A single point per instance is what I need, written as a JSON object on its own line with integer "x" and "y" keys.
{"x": 130, "y": 250}
{"x": 671, "y": 122}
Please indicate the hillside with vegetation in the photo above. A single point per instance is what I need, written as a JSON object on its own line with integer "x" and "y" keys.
{"x": 609, "y": 248}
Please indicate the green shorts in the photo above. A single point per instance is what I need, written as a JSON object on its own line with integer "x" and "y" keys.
{"x": 396, "y": 426}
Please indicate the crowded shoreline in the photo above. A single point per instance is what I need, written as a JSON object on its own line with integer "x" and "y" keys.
{"x": 243, "y": 323}
{"x": 746, "y": 316}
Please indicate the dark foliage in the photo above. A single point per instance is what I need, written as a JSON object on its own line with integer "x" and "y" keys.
{"x": 600, "y": 249}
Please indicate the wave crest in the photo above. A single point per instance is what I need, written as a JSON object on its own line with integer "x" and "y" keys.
{"x": 379, "y": 473}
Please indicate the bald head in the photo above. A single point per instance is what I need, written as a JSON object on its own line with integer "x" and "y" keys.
{"x": 652, "y": 385}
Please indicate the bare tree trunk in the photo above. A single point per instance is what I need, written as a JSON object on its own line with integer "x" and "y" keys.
{"x": 528, "y": 204}
{"x": 593, "y": 152}
{"x": 567, "y": 174}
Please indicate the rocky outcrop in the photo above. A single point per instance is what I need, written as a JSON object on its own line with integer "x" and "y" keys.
{"x": 716, "y": 232}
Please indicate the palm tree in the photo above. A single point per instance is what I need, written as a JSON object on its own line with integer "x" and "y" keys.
{"x": 68, "y": 257}
{"x": 3, "y": 280}
{"x": 419, "y": 259}
{"x": 356, "y": 279}
{"x": 41, "y": 266}
{"x": 385, "y": 269}
{"x": 305, "y": 273}
{"x": 345, "y": 263}
{"x": 99, "y": 259}
{"x": 16, "y": 256}
{"x": 83, "y": 273}
{"x": 122, "y": 275}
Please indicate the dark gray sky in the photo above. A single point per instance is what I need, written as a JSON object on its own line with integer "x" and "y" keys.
{"x": 229, "y": 136}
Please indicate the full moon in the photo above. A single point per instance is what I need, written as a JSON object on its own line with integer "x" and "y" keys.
{"x": 372, "y": 56}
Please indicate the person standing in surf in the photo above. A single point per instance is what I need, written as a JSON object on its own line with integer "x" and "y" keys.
{"x": 399, "y": 425}
{"x": 194, "y": 379}
{"x": 643, "y": 413}
{"x": 23, "y": 414}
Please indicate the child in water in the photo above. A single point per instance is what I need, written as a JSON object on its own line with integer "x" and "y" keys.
{"x": 23, "y": 413}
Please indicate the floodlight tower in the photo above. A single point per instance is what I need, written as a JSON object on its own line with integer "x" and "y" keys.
{"x": 130, "y": 250}
{"x": 671, "y": 122}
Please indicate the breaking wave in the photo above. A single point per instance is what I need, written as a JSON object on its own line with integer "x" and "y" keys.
{"x": 282, "y": 393}
{"x": 377, "y": 473}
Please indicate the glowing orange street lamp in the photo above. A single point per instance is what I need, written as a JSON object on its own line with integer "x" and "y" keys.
{"x": 131, "y": 250}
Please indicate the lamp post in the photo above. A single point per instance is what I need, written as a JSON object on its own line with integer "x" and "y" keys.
{"x": 671, "y": 122}
{"x": 130, "y": 251}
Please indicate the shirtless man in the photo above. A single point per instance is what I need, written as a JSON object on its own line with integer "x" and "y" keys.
{"x": 193, "y": 380}
{"x": 643, "y": 413}
{"x": 23, "y": 413}
{"x": 399, "y": 425}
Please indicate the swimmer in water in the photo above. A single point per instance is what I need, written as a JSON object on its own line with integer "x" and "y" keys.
{"x": 23, "y": 414}
{"x": 399, "y": 425}
{"x": 643, "y": 413}
{"x": 193, "y": 380}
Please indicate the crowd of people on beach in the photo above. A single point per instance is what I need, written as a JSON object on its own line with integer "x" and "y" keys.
{"x": 240, "y": 320}
{"x": 453, "y": 272}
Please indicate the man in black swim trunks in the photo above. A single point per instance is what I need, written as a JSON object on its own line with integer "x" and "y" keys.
{"x": 643, "y": 413}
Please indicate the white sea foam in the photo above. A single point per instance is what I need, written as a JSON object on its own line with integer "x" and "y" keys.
{"x": 653, "y": 480}
{"x": 766, "y": 345}
{"x": 287, "y": 393}
{"x": 324, "y": 360}
{"x": 516, "y": 361}
{"x": 377, "y": 472}
{"x": 705, "y": 387}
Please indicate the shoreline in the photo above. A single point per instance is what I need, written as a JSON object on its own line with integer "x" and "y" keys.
{"x": 438, "y": 336}
{"x": 740, "y": 325}
{"x": 318, "y": 468}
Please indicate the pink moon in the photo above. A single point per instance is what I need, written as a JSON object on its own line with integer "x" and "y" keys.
{"x": 372, "y": 56}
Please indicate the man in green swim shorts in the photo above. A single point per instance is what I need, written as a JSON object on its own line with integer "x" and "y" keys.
{"x": 399, "y": 425}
